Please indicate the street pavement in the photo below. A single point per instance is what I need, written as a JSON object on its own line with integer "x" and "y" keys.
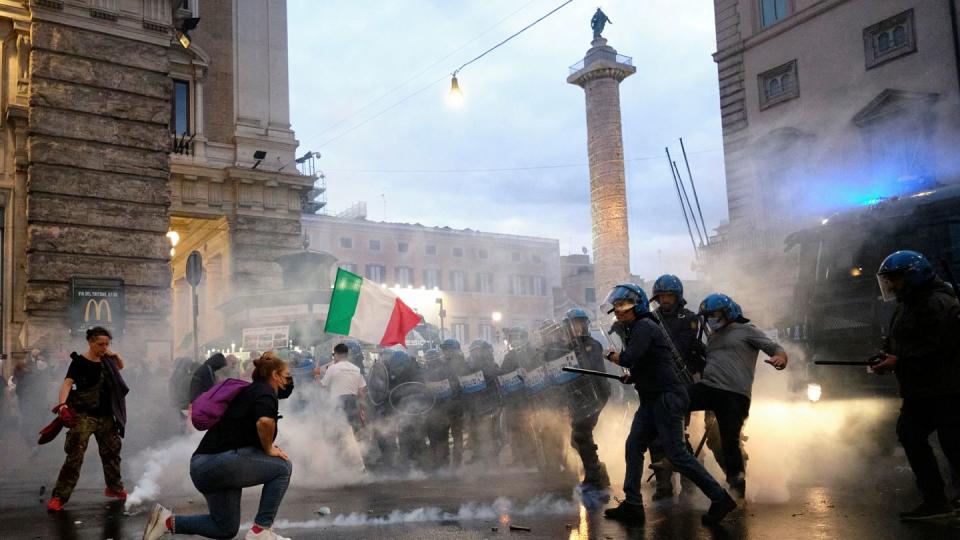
{"x": 485, "y": 506}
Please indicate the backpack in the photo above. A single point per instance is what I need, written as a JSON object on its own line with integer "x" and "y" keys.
{"x": 211, "y": 405}
{"x": 179, "y": 386}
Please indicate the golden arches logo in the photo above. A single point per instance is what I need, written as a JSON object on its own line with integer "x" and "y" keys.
{"x": 99, "y": 307}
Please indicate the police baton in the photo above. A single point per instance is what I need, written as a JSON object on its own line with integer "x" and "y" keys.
{"x": 592, "y": 372}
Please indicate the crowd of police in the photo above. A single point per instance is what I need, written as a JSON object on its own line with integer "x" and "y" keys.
{"x": 455, "y": 404}
{"x": 448, "y": 407}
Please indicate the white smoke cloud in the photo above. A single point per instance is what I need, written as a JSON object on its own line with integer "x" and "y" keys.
{"x": 501, "y": 509}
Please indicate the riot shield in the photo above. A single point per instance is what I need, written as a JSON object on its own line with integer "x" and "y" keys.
{"x": 378, "y": 383}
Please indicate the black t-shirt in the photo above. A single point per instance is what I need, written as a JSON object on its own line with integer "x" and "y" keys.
{"x": 238, "y": 426}
{"x": 85, "y": 375}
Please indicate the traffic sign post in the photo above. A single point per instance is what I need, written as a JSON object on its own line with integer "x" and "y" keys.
{"x": 194, "y": 275}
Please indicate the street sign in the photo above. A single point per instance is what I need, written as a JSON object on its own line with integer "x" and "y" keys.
{"x": 194, "y": 268}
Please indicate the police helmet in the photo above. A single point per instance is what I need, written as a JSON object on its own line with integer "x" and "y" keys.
{"x": 668, "y": 284}
{"x": 480, "y": 345}
{"x": 913, "y": 266}
{"x": 627, "y": 292}
{"x": 397, "y": 362}
{"x": 450, "y": 344}
{"x": 516, "y": 333}
{"x": 576, "y": 313}
{"x": 722, "y": 303}
{"x": 432, "y": 356}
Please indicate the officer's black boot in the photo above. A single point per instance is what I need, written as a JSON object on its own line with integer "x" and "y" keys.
{"x": 719, "y": 510}
{"x": 929, "y": 510}
{"x": 664, "y": 484}
{"x": 627, "y": 513}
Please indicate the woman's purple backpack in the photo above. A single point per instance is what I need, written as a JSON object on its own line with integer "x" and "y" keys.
{"x": 210, "y": 406}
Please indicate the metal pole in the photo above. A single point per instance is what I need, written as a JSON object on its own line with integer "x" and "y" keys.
{"x": 196, "y": 337}
{"x": 680, "y": 198}
{"x": 686, "y": 197}
{"x": 694, "y": 188}
{"x": 440, "y": 301}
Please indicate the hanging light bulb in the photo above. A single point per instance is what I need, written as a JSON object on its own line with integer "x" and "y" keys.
{"x": 455, "y": 97}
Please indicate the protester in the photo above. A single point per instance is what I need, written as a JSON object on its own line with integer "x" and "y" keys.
{"x": 345, "y": 384}
{"x": 94, "y": 389}
{"x": 205, "y": 376}
{"x": 238, "y": 452}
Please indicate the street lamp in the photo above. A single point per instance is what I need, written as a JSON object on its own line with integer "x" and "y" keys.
{"x": 455, "y": 97}
{"x": 442, "y": 313}
{"x": 497, "y": 316}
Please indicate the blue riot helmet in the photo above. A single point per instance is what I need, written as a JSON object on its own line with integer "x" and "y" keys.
{"x": 578, "y": 321}
{"x": 451, "y": 350}
{"x": 356, "y": 354}
{"x": 717, "y": 305}
{"x": 481, "y": 352}
{"x": 399, "y": 365}
{"x": 432, "y": 357}
{"x": 625, "y": 296}
{"x": 668, "y": 284}
{"x": 516, "y": 336}
{"x": 901, "y": 271}
{"x": 450, "y": 345}
{"x": 480, "y": 345}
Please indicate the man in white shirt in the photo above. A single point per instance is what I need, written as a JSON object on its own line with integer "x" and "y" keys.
{"x": 345, "y": 383}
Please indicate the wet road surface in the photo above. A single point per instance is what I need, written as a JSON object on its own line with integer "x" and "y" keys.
{"x": 485, "y": 507}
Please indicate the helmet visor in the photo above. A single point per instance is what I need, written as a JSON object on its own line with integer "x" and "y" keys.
{"x": 887, "y": 290}
{"x": 620, "y": 299}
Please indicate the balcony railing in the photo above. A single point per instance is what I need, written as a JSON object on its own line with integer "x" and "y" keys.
{"x": 619, "y": 58}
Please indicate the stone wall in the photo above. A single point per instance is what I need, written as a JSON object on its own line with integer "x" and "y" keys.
{"x": 254, "y": 244}
{"x": 98, "y": 170}
{"x": 216, "y": 39}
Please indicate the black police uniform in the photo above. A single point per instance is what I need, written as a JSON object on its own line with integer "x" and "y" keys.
{"x": 925, "y": 337}
{"x": 516, "y": 407}
{"x": 590, "y": 356}
{"x": 683, "y": 327}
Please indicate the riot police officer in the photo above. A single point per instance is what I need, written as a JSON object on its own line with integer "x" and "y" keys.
{"x": 356, "y": 355}
{"x": 457, "y": 364}
{"x": 663, "y": 405}
{"x": 683, "y": 327}
{"x": 520, "y": 357}
{"x": 587, "y": 396}
{"x": 481, "y": 399}
{"x": 922, "y": 349}
{"x": 409, "y": 428}
{"x": 437, "y": 376}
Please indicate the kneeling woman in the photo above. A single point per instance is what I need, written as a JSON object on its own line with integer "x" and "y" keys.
{"x": 238, "y": 452}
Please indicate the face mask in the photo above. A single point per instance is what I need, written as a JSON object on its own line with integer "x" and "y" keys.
{"x": 285, "y": 392}
{"x": 715, "y": 324}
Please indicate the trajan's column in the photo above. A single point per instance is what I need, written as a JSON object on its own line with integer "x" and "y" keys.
{"x": 599, "y": 74}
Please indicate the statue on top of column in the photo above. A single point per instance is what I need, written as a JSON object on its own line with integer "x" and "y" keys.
{"x": 598, "y": 21}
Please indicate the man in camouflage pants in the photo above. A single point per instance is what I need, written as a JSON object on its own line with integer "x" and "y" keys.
{"x": 104, "y": 429}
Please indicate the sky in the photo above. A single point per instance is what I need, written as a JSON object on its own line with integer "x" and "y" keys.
{"x": 368, "y": 87}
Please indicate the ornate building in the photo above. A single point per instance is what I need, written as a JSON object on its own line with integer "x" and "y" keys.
{"x": 115, "y": 134}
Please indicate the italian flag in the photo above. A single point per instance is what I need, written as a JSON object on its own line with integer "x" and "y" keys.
{"x": 366, "y": 311}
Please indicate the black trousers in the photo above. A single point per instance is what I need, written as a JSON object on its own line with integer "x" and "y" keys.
{"x": 920, "y": 418}
{"x": 731, "y": 410}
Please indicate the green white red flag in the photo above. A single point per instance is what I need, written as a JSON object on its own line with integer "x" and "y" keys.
{"x": 368, "y": 312}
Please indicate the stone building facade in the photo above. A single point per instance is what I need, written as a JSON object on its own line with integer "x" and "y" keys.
{"x": 474, "y": 273}
{"x": 826, "y": 105}
{"x": 95, "y": 172}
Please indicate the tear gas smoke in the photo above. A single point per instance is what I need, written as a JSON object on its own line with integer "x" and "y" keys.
{"x": 501, "y": 509}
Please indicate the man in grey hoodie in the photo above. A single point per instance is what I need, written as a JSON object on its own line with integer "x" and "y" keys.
{"x": 727, "y": 382}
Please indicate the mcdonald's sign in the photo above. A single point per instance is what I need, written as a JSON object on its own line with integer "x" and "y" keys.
{"x": 97, "y": 302}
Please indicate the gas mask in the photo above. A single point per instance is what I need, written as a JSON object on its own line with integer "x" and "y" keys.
{"x": 715, "y": 323}
{"x": 287, "y": 389}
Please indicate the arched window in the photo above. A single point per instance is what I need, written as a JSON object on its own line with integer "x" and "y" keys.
{"x": 883, "y": 42}
{"x": 899, "y": 36}
{"x": 773, "y": 87}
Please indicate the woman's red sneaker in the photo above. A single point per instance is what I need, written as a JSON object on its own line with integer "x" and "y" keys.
{"x": 54, "y": 504}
